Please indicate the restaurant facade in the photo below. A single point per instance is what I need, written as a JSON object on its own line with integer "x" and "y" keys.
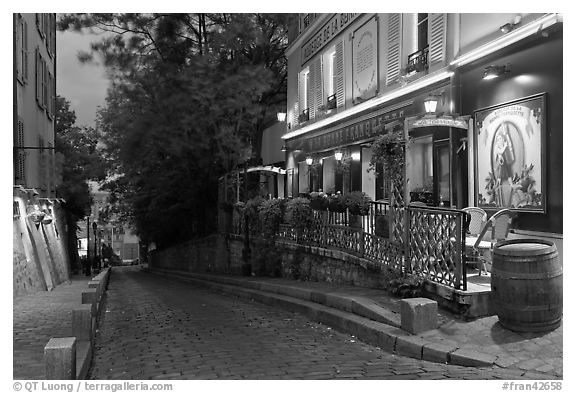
{"x": 478, "y": 97}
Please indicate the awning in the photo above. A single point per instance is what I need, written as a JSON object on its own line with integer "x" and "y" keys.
{"x": 267, "y": 168}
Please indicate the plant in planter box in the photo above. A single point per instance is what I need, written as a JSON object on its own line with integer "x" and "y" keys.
{"x": 357, "y": 202}
{"x": 336, "y": 203}
{"x": 319, "y": 201}
{"x": 388, "y": 150}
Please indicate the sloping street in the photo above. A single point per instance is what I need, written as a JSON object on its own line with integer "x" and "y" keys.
{"x": 158, "y": 328}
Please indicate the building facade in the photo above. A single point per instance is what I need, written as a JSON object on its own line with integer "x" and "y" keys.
{"x": 40, "y": 257}
{"x": 34, "y": 102}
{"x": 493, "y": 139}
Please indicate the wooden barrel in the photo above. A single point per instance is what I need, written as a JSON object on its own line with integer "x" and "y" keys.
{"x": 527, "y": 285}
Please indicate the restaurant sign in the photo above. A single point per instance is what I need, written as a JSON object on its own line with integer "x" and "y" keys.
{"x": 330, "y": 29}
{"x": 357, "y": 132}
{"x": 444, "y": 121}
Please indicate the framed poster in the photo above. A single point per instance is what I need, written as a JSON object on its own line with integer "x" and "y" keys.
{"x": 365, "y": 61}
{"x": 510, "y": 142}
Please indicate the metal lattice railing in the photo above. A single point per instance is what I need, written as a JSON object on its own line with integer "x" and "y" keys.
{"x": 435, "y": 244}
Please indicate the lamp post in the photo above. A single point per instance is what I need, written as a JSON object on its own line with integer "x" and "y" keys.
{"x": 246, "y": 267}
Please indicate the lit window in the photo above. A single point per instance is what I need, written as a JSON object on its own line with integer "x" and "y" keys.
{"x": 329, "y": 63}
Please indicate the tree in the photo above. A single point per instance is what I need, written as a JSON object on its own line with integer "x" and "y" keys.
{"x": 81, "y": 162}
{"x": 190, "y": 96}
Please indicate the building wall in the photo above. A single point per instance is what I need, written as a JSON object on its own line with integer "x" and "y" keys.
{"x": 536, "y": 67}
{"x": 40, "y": 259}
{"x": 33, "y": 123}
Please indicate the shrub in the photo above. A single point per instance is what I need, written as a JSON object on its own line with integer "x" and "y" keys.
{"x": 299, "y": 215}
{"x": 270, "y": 215}
{"x": 251, "y": 212}
{"x": 407, "y": 286}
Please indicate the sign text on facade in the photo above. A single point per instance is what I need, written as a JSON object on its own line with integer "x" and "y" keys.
{"x": 336, "y": 24}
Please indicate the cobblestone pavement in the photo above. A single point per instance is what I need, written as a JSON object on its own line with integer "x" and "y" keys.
{"x": 158, "y": 328}
{"x": 36, "y": 318}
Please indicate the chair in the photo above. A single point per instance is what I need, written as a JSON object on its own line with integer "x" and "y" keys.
{"x": 477, "y": 219}
{"x": 494, "y": 230}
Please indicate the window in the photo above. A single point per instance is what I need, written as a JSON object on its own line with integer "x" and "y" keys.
{"x": 303, "y": 96}
{"x": 19, "y": 169}
{"x": 39, "y": 78}
{"x": 22, "y": 50}
{"x": 305, "y": 87}
{"x": 51, "y": 95}
{"x": 422, "y": 31}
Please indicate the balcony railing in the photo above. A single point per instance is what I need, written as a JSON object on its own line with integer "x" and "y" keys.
{"x": 418, "y": 61}
{"x": 331, "y": 102}
{"x": 304, "y": 116}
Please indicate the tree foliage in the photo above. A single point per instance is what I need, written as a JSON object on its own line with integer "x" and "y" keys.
{"x": 80, "y": 163}
{"x": 190, "y": 97}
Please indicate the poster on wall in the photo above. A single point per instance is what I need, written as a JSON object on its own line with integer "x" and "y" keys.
{"x": 510, "y": 140}
{"x": 365, "y": 62}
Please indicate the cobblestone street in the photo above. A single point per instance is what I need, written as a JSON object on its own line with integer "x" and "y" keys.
{"x": 157, "y": 328}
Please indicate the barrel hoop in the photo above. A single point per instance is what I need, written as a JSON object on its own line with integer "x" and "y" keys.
{"x": 500, "y": 248}
{"x": 517, "y": 308}
{"x": 524, "y": 276}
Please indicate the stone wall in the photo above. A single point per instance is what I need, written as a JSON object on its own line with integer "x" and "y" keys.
{"x": 224, "y": 255}
{"x": 40, "y": 259}
{"x": 215, "y": 253}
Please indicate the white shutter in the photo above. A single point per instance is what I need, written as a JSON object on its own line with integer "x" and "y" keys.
{"x": 21, "y": 154}
{"x": 339, "y": 74}
{"x": 437, "y": 41}
{"x": 38, "y": 77}
{"x": 393, "y": 53}
{"x": 315, "y": 87}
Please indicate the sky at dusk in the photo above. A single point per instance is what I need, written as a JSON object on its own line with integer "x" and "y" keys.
{"x": 84, "y": 85}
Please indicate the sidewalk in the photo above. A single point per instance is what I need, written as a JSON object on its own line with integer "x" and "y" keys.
{"x": 479, "y": 342}
{"x": 38, "y": 317}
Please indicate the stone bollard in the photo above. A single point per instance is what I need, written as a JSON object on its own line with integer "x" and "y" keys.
{"x": 82, "y": 326}
{"x": 418, "y": 314}
{"x": 89, "y": 296}
{"x": 60, "y": 358}
{"x": 98, "y": 285}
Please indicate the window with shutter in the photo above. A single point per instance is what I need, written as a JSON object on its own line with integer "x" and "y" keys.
{"x": 393, "y": 52}
{"x": 38, "y": 78}
{"x": 41, "y": 164}
{"x": 44, "y": 84}
{"x": 303, "y": 95}
{"x": 20, "y": 153}
{"x": 339, "y": 74}
{"x": 437, "y": 38}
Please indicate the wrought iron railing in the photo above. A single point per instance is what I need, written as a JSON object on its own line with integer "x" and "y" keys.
{"x": 304, "y": 116}
{"x": 435, "y": 240}
{"x": 418, "y": 61}
{"x": 331, "y": 102}
{"x": 432, "y": 243}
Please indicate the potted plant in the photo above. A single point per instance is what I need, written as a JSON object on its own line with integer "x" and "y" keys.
{"x": 336, "y": 203}
{"x": 358, "y": 204}
{"x": 319, "y": 201}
